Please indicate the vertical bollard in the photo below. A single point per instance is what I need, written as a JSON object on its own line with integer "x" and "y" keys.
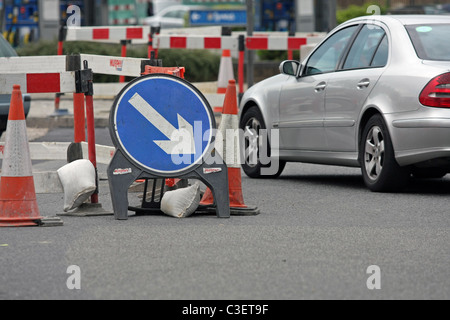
{"x": 150, "y": 45}
{"x": 241, "y": 65}
{"x": 290, "y": 51}
{"x": 79, "y": 118}
{"x": 91, "y": 132}
{"x": 153, "y": 31}
{"x": 73, "y": 63}
{"x": 123, "y": 54}
{"x": 84, "y": 86}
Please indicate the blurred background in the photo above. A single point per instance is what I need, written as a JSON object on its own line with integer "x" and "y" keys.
{"x": 24, "y": 21}
{"x": 32, "y": 26}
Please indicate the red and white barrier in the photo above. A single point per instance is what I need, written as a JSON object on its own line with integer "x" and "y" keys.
{"x": 129, "y": 67}
{"x": 63, "y": 82}
{"x": 233, "y": 43}
{"x": 278, "y": 43}
{"x": 138, "y": 34}
{"x": 195, "y": 42}
{"x": 262, "y": 42}
{"x": 27, "y": 72}
{"x": 48, "y": 181}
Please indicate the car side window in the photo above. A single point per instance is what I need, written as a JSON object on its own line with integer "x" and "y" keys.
{"x": 327, "y": 56}
{"x": 175, "y": 14}
{"x": 364, "y": 47}
{"x": 5, "y": 48}
{"x": 381, "y": 56}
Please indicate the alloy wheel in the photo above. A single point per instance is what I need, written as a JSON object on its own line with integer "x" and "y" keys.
{"x": 374, "y": 153}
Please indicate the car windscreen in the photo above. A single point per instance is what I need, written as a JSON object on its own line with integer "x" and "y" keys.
{"x": 5, "y": 49}
{"x": 431, "y": 41}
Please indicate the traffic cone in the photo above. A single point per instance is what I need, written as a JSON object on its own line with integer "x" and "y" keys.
{"x": 18, "y": 205}
{"x": 230, "y": 121}
{"x": 226, "y": 72}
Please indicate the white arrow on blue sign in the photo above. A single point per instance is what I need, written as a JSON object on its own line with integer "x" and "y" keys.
{"x": 163, "y": 123}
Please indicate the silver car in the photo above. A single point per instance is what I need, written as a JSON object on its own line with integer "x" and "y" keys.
{"x": 375, "y": 94}
{"x": 7, "y": 51}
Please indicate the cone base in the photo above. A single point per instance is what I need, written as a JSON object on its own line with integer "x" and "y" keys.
{"x": 19, "y": 213}
{"x": 248, "y": 211}
{"x": 18, "y": 223}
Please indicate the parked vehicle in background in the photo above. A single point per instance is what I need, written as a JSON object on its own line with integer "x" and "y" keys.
{"x": 7, "y": 51}
{"x": 171, "y": 17}
{"x": 374, "y": 94}
{"x": 425, "y": 9}
{"x": 159, "y": 5}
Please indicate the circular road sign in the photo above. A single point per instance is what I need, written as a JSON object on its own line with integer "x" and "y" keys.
{"x": 163, "y": 124}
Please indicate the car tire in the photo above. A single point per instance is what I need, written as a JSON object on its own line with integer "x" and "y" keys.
{"x": 380, "y": 170}
{"x": 252, "y": 122}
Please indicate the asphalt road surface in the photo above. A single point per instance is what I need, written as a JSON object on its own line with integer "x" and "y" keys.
{"x": 318, "y": 233}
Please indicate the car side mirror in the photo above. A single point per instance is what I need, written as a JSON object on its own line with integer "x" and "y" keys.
{"x": 289, "y": 67}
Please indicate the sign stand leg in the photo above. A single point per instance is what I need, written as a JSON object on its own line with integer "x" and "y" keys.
{"x": 218, "y": 184}
{"x": 122, "y": 173}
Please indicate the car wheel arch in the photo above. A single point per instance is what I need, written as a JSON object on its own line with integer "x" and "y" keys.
{"x": 366, "y": 116}
{"x": 252, "y": 104}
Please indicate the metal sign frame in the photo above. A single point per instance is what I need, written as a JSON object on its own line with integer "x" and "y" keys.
{"x": 124, "y": 169}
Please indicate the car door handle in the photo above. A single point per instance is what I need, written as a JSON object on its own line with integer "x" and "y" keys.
{"x": 363, "y": 83}
{"x": 320, "y": 87}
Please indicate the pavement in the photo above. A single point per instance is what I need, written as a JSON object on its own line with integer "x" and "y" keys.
{"x": 318, "y": 232}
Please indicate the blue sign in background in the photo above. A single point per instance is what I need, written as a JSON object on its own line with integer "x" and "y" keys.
{"x": 169, "y": 97}
{"x": 218, "y": 17}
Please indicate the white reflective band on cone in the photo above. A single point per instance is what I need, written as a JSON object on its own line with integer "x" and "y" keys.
{"x": 228, "y": 145}
{"x": 17, "y": 161}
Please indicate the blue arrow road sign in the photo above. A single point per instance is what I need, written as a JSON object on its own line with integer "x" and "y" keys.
{"x": 163, "y": 124}
{"x": 218, "y": 17}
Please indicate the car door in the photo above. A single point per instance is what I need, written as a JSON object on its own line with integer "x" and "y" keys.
{"x": 302, "y": 98}
{"x": 349, "y": 87}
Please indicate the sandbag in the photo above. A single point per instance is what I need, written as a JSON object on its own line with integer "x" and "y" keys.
{"x": 181, "y": 203}
{"x": 78, "y": 181}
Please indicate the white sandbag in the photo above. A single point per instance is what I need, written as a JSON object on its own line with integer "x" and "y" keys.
{"x": 78, "y": 181}
{"x": 181, "y": 203}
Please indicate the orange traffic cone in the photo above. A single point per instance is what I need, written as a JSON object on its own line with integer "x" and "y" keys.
{"x": 230, "y": 121}
{"x": 226, "y": 72}
{"x": 18, "y": 205}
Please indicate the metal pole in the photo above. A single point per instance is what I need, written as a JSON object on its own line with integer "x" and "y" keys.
{"x": 123, "y": 54}
{"x": 241, "y": 65}
{"x": 91, "y": 133}
{"x": 250, "y": 53}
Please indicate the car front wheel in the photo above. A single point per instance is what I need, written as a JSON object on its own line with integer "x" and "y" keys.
{"x": 252, "y": 124}
{"x": 381, "y": 172}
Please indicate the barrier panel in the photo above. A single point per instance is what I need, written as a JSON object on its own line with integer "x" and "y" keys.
{"x": 67, "y": 74}
{"x": 48, "y": 181}
{"x": 138, "y": 34}
{"x": 155, "y": 40}
{"x": 239, "y": 43}
{"x": 120, "y": 34}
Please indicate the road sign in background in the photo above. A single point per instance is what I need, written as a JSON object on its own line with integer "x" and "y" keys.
{"x": 163, "y": 124}
{"x": 218, "y": 17}
{"x": 213, "y": 2}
